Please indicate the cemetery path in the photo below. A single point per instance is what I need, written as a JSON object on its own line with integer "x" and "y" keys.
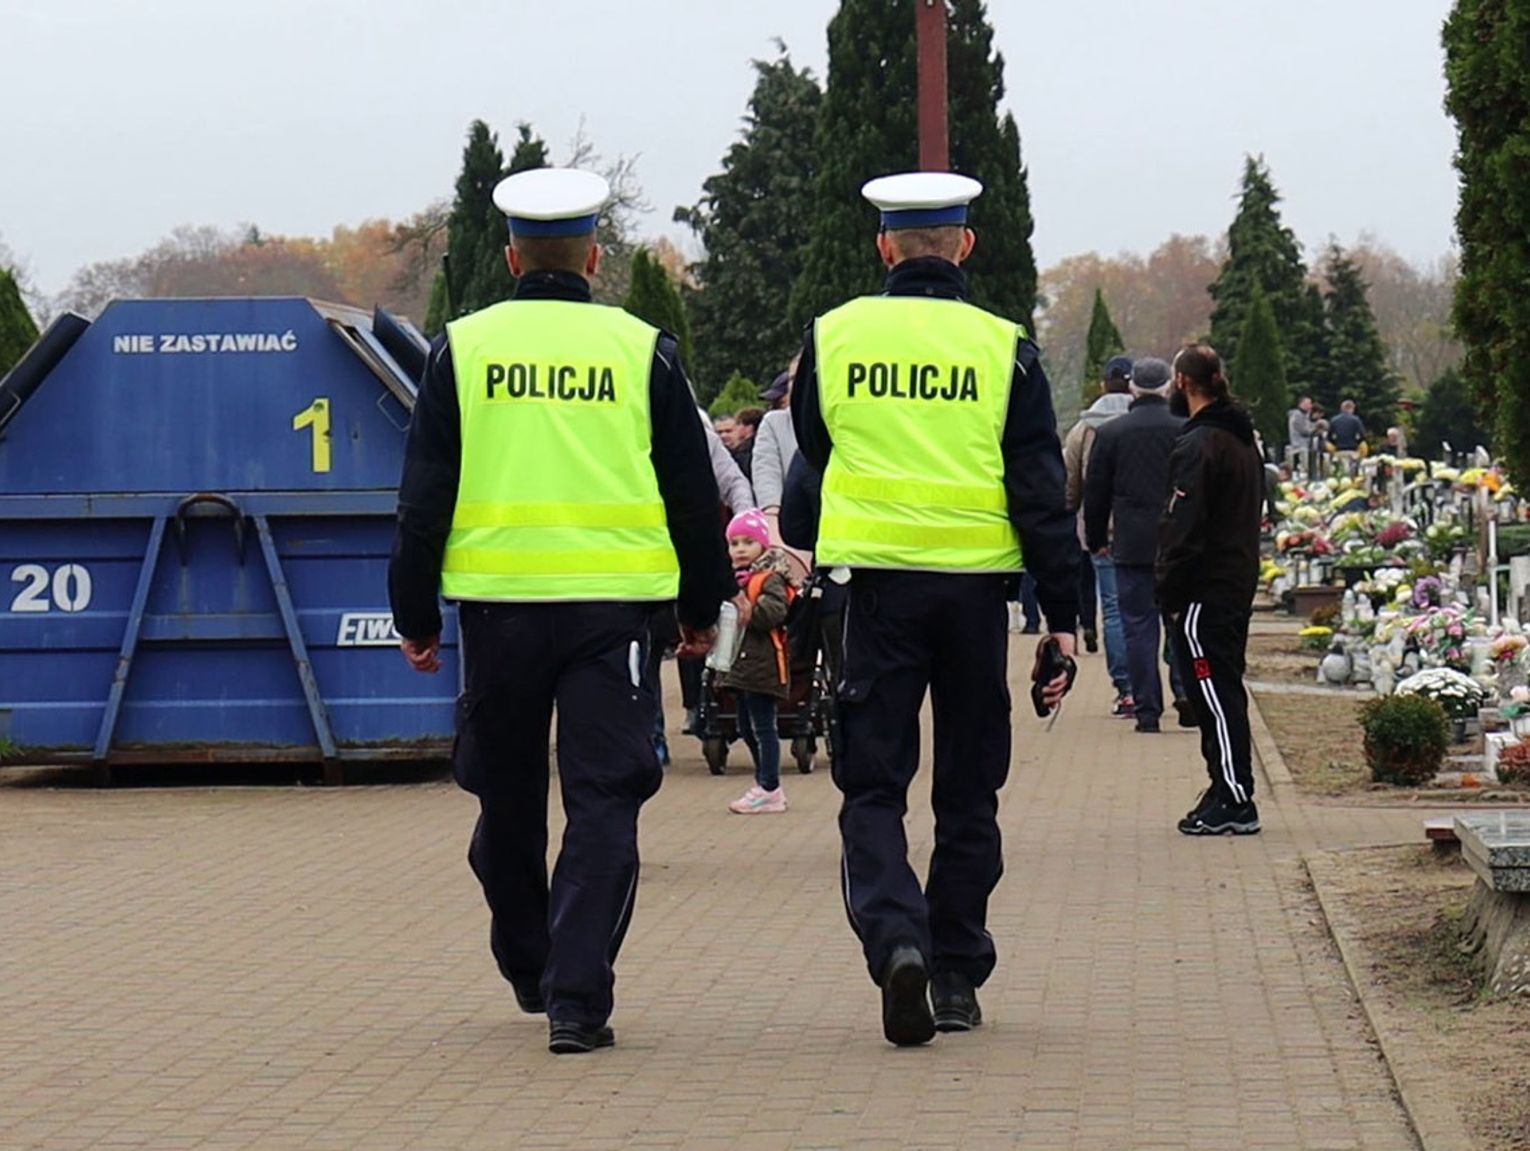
{"x": 285, "y": 967}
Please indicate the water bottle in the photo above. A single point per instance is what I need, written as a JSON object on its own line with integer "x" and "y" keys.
{"x": 730, "y": 638}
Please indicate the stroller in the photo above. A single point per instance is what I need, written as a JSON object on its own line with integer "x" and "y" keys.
{"x": 806, "y": 716}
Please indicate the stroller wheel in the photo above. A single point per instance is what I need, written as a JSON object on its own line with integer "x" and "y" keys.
{"x": 715, "y": 752}
{"x": 803, "y": 749}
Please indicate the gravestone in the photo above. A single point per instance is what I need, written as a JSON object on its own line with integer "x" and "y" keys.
{"x": 1496, "y": 846}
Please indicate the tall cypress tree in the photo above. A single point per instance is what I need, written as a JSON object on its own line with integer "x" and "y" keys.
{"x": 1259, "y": 372}
{"x": 1448, "y": 416}
{"x": 1104, "y": 341}
{"x": 987, "y": 147}
{"x": 476, "y": 275}
{"x": 1487, "y": 60}
{"x": 868, "y": 127}
{"x": 17, "y": 331}
{"x": 753, "y": 221}
{"x": 1358, "y": 366}
{"x": 653, "y": 298}
{"x": 1262, "y": 252}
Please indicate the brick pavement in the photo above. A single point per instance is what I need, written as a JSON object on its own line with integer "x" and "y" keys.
{"x": 291, "y": 967}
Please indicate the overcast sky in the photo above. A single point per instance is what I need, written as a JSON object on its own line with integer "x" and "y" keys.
{"x": 125, "y": 119}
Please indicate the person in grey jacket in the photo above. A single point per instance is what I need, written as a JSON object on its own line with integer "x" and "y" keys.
{"x": 1123, "y": 499}
{"x": 735, "y": 489}
{"x": 1098, "y": 574}
{"x": 774, "y": 446}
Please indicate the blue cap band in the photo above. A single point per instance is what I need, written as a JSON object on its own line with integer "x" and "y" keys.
{"x": 925, "y": 217}
{"x": 578, "y": 226}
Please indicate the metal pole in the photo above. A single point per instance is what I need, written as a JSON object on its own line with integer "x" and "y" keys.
{"x": 934, "y": 141}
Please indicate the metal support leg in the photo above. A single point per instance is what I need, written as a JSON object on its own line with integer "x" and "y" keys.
{"x": 333, "y": 772}
{"x": 128, "y": 650}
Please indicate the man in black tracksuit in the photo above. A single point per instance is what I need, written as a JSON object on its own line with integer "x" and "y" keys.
{"x": 1208, "y": 566}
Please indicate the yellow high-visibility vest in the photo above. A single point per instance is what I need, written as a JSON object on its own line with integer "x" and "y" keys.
{"x": 915, "y": 392}
{"x": 557, "y": 498}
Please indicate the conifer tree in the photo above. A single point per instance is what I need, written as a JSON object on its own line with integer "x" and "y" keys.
{"x": 987, "y": 147}
{"x": 1358, "y": 366}
{"x": 17, "y": 331}
{"x": 738, "y": 393}
{"x": 1448, "y": 416}
{"x": 1487, "y": 63}
{"x": 868, "y": 128}
{"x": 753, "y": 222}
{"x": 1259, "y": 372}
{"x": 476, "y": 275}
{"x": 1263, "y": 253}
{"x": 653, "y": 298}
{"x": 1104, "y": 341}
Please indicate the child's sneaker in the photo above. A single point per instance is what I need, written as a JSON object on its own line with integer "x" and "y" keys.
{"x": 758, "y": 801}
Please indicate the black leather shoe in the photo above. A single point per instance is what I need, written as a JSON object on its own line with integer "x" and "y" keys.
{"x": 529, "y": 1000}
{"x": 1185, "y": 711}
{"x": 1091, "y": 640}
{"x": 906, "y": 1018}
{"x": 577, "y": 1038}
{"x": 955, "y": 1002}
{"x": 1148, "y": 726}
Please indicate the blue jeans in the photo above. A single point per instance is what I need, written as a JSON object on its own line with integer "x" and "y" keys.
{"x": 1028, "y": 604}
{"x": 1110, "y": 608}
{"x": 1141, "y": 622}
{"x": 757, "y": 727}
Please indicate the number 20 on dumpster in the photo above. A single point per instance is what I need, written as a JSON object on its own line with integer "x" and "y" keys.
{"x": 67, "y": 588}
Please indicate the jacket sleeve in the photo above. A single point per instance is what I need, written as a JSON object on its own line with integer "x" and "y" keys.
{"x": 1182, "y": 528}
{"x": 768, "y": 474}
{"x": 807, "y": 415}
{"x": 427, "y": 499}
{"x": 1099, "y": 486}
{"x": 770, "y": 608}
{"x": 1035, "y": 483}
{"x": 731, "y": 483}
{"x": 689, "y": 491}
{"x": 799, "y": 505}
{"x": 1073, "y": 464}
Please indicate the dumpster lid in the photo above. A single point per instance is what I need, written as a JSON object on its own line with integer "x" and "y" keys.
{"x": 355, "y": 326}
{"x": 18, "y": 384}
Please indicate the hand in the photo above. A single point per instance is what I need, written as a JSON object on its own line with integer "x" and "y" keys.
{"x": 424, "y": 655}
{"x": 1104, "y": 552}
{"x": 1052, "y": 693}
{"x": 745, "y": 610}
{"x": 694, "y": 642}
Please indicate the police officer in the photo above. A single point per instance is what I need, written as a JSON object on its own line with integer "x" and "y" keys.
{"x": 556, "y": 485}
{"x": 932, "y": 423}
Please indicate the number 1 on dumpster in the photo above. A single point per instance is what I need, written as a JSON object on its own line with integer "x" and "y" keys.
{"x": 316, "y": 416}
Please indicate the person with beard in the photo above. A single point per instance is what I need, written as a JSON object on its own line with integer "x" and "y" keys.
{"x": 1208, "y": 566}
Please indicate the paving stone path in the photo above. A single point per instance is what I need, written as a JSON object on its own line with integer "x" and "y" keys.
{"x": 290, "y": 967}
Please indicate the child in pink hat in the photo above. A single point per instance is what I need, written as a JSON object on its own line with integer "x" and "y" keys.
{"x": 760, "y": 676}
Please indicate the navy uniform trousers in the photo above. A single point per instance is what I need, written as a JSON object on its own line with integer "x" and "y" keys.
{"x": 520, "y": 661}
{"x": 906, "y": 632}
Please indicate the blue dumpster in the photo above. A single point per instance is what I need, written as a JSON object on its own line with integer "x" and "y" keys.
{"x": 196, "y": 511}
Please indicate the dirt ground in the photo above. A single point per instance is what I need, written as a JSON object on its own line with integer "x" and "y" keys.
{"x": 1282, "y": 659}
{"x": 1409, "y": 903}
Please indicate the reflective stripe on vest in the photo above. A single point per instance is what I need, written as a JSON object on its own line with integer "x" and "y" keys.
{"x": 557, "y": 498}
{"x": 915, "y": 392}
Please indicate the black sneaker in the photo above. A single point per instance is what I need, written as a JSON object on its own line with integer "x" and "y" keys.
{"x": 906, "y": 1018}
{"x": 1185, "y": 709}
{"x": 577, "y": 1038}
{"x": 955, "y": 1002}
{"x": 529, "y": 1000}
{"x": 1091, "y": 640}
{"x": 1148, "y": 726}
{"x": 1219, "y": 817}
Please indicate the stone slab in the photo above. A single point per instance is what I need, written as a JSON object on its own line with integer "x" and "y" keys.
{"x": 1496, "y": 844}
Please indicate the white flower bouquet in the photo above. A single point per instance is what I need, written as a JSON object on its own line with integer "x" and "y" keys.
{"x": 1460, "y": 695}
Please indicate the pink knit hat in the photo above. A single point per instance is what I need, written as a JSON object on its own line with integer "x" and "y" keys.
{"x": 752, "y": 524}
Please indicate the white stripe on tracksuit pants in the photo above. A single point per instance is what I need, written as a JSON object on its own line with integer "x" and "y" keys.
{"x": 1215, "y": 639}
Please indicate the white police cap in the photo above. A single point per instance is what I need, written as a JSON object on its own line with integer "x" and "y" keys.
{"x": 552, "y": 201}
{"x": 922, "y": 199}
